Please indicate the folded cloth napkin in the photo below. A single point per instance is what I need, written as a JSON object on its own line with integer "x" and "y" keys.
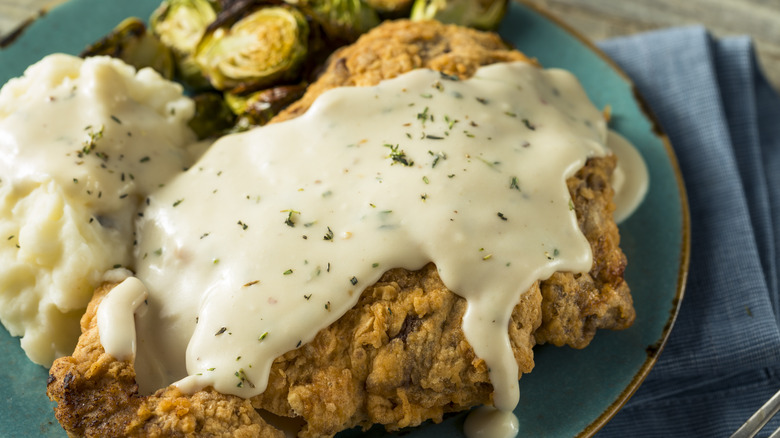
{"x": 722, "y": 360}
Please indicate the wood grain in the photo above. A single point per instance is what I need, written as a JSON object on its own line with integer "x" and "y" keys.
{"x": 15, "y": 12}
{"x": 600, "y": 19}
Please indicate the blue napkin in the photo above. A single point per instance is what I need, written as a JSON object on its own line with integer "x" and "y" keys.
{"x": 722, "y": 360}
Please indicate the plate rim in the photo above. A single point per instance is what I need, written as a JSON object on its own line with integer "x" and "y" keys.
{"x": 685, "y": 243}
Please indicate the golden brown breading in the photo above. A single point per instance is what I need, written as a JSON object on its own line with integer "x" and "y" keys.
{"x": 397, "y": 47}
{"x": 399, "y": 356}
{"x": 575, "y": 305}
{"x": 97, "y": 396}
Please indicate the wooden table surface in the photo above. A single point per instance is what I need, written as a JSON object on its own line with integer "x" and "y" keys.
{"x": 599, "y": 19}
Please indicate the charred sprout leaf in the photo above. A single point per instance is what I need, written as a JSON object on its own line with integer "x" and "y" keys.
{"x": 212, "y": 116}
{"x": 132, "y": 43}
{"x": 391, "y": 8}
{"x": 266, "y": 46}
{"x": 480, "y": 14}
{"x": 180, "y": 24}
{"x": 342, "y": 20}
{"x": 259, "y": 107}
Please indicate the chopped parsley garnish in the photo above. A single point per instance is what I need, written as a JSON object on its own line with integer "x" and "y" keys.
{"x": 436, "y": 157}
{"x": 328, "y": 235}
{"x": 290, "y": 212}
{"x": 398, "y": 156}
{"x": 92, "y": 138}
{"x": 450, "y": 122}
{"x": 514, "y": 184}
{"x": 449, "y": 77}
{"x": 423, "y": 116}
{"x": 242, "y": 378}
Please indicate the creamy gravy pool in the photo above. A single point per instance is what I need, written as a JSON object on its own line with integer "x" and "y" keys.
{"x": 275, "y": 232}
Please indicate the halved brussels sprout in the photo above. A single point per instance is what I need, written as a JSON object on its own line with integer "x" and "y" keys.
{"x": 391, "y": 8}
{"x": 260, "y": 107}
{"x": 340, "y": 19}
{"x": 213, "y": 117}
{"x": 479, "y": 14}
{"x": 266, "y": 46}
{"x": 132, "y": 43}
{"x": 180, "y": 24}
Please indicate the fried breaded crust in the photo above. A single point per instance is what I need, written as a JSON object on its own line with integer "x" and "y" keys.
{"x": 97, "y": 396}
{"x": 399, "y": 356}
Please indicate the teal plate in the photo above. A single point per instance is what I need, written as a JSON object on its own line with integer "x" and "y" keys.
{"x": 570, "y": 392}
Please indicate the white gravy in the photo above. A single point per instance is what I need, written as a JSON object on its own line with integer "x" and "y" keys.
{"x": 275, "y": 232}
{"x": 630, "y": 179}
{"x": 489, "y": 422}
{"x": 115, "y": 318}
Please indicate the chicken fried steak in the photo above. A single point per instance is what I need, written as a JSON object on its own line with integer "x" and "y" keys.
{"x": 399, "y": 356}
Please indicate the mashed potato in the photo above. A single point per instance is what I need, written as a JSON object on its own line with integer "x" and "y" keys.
{"x": 82, "y": 143}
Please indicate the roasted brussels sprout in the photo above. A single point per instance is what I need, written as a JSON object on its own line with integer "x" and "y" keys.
{"x": 212, "y": 116}
{"x": 391, "y": 8}
{"x": 266, "y": 46}
{"x": 132, "y": 43}
{"x": 342, "y": 20}
{"x": 259, "y": 107}
{"x": 480, "y": 14}
{"x": 180, "y": 24}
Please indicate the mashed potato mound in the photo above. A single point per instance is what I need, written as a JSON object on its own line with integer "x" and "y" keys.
{"x": 82, "y": 142}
